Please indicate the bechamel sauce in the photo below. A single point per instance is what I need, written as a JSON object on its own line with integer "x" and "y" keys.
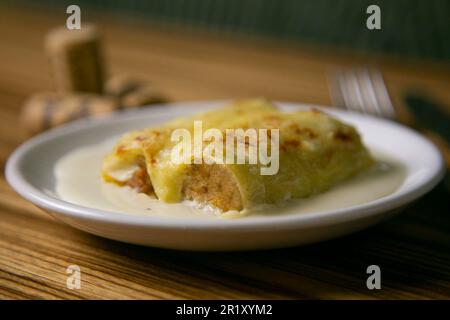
{"x": 78, "y": 181}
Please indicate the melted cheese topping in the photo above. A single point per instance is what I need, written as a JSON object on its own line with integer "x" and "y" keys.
{"x": 316, "y": 152}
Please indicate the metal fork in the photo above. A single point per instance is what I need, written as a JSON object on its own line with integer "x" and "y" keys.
{"x": 362, "y": 90}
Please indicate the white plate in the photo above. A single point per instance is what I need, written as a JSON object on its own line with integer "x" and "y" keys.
{"x": 30, "y": 171}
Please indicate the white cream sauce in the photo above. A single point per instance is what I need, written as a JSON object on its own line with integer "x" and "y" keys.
{"x": 78, "y": 181}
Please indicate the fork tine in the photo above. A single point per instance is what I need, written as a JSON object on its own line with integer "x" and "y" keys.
{"x": 358, "y": 91}
{"x": 346, "y": 90}
{"x": 361, "y": 90}
{"x": 342, "y": 86}
{"x": 368, "y": 93}
{"x": 337, "y": 96}
{"x": 382, "y": 94}
{"x": 349, "y": 91}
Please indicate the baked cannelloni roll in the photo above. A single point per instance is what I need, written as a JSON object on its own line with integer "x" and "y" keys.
{"x": 298, "y": 155}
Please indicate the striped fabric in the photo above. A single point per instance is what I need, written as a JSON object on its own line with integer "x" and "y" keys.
{"x": 417, "y": 28}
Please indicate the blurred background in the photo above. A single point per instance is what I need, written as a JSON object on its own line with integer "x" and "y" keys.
{"x": 414, "y": 28}
{"x": 201, "y": 49}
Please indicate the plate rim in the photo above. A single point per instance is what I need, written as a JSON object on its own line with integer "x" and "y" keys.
{"x": 293, "y": 221}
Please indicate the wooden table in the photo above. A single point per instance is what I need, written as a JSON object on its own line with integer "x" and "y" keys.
{"x": 413, "y": 250}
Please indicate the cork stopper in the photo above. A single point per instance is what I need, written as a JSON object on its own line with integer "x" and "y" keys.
{"x": 132, "y": 92}
{"x": 46, "y": 110}
{"x": 77, "y": 67}
{"x": 75, "y": 59}
{"x": 142, "y": 96}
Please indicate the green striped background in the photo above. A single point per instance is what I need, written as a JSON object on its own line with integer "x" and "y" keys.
{"x": 417, "y": 28}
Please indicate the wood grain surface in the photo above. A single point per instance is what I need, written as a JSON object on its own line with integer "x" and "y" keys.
{"x": 413, "y": 249}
